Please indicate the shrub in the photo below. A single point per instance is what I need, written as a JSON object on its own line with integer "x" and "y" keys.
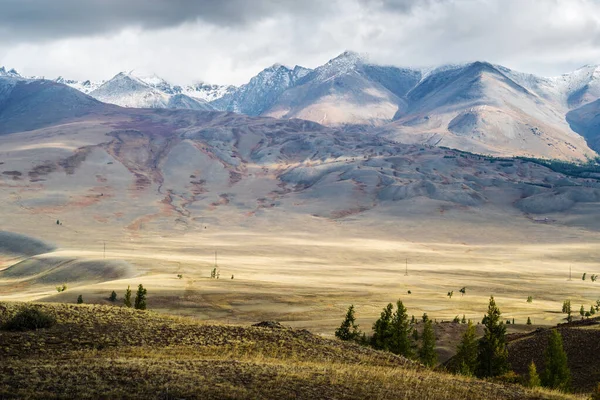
{"x": 29, "y": 318}
{"x": 113, "y": 296}
{"x": 509, "y": 377}
{"x": 80, "y": 299}
{"x": 528, "y": 321}
{"x": 596, "y": 393}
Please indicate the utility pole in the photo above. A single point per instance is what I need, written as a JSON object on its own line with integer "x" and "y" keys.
{"x": 105, "y": 250}
{"x": 406, "y": 270}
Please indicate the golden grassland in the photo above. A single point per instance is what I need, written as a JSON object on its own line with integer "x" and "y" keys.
{"x": 112, "y": 352}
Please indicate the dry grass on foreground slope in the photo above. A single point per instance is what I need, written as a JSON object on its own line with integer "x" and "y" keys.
{"x": 112, "y": 352}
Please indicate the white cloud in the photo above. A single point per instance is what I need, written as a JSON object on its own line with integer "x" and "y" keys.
{"x": 540, "y": 36}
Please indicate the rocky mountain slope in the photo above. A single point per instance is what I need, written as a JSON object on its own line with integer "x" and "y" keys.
{"x": 127, "y": 90}
{"x": 183, "y": 163}
{"x": 478, "y": 107}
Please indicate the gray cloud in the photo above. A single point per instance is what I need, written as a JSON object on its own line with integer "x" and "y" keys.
{"x": 228, "y": 41}
{"x": 42, "y": 20}
{"x": 402, "y": 6}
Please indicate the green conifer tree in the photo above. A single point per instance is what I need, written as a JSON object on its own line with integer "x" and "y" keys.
{"x": 556, "y": 374}
{"x": 400, "y": 331}
{"x": 533, "y": 379}
{"x": 80, "y": 299}
{"x": 492, "y": 358}
{"x": 381, "y": 329}
{"x": 127, "y": 298}
{"x": 140, "y": 298}
{"x": 427, "y": 353}
{"x": 466, "y": 352}
{"x": 348, "y": 330}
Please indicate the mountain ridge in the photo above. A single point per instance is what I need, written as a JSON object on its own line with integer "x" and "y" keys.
{"x": 477, "y": 106}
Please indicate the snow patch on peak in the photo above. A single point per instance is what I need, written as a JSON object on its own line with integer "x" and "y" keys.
{"x": 12, "y": 73}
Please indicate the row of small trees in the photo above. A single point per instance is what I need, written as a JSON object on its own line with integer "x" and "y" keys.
{"x": 484, "y": 357}
{"x": 566, "y": 309}
{"x": 393, "y": 332}
{"x": 139, "y": 302}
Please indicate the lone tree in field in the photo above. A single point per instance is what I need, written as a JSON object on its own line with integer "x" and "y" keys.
{"x": 348, "y": 330}
{"x": 583, "y": 276}
{"x": 381, "y": 329}
{"x": 557, "y": 374}
{"x": 127, "y": 298}
{"x": 528, "y": 320}
{"x": 463, "y": 291}
{"x": 140, "y": 298}
{"x": 582, "y": 311}
{"x": 466, "y": 352}
{"x": 80, "y": 299}
{"x": 492, "y": 358}
{"x": 533, "y": 379}
{"x": 113, "y": 296}
{"x": 566, "y": 308}
{"x": 450, "y": 294}
{"x": 400, "y": 331}
{"x": 427, "y": 353}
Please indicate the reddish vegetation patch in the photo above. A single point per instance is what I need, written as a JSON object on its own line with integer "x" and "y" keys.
{"x": 223, "y": 200}
{"x": 41, "y": 170}
{"x": 70, "y": 163}
{"x": 234, "y": 177}
{"x": 16, "y": 175}
{"x": 348, "y": 212}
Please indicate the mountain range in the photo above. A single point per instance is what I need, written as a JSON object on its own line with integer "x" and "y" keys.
{"x": 477, "y": 107}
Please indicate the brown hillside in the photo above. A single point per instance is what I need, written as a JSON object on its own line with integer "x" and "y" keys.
{"x": 581, "y": 341}
{"x": 113, "y": 352}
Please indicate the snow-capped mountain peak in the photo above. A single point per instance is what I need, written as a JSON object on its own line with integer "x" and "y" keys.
{"x": 345, "y": 63}
{"x": 12, "y": 73}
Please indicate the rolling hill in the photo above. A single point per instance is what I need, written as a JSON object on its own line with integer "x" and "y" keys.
{"x": 108, "y": 351}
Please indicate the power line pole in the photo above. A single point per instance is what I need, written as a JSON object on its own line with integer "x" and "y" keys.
{"x": 406, "y": 270}
{"x": 105, "y": 250}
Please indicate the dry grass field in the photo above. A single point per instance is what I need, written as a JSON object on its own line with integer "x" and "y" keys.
{"x": 114, "y": 352}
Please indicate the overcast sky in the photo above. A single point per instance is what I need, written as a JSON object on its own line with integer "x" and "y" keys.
{"x": 229, "y": 41}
